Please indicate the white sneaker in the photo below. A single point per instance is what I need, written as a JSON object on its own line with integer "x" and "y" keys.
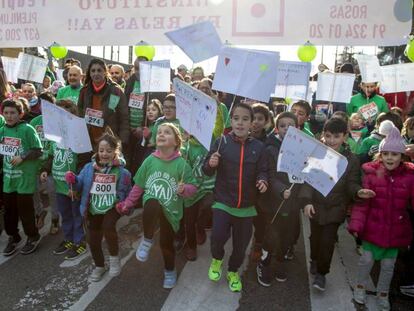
{"x": 97, "y": 274}
{"x": 383, "y": 303}
{"x": 360, "y": 294}
{"x": 114, "y": 265}
{"x": 144, "y": 249}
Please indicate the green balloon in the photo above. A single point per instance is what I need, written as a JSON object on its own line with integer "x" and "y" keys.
{"x": 409, "y": 51}
{"x": 143, "y": 49}
{"x": 307, "y": 52}
{"x": 58, "y": 51}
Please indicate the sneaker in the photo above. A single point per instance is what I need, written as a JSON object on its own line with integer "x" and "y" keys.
{"x": 54, "y": 228}
{"x": 114, "y": 265}
{"x": 201, "y": 236}
{"x": 170, "y": 279}
{"x": 214, "y": 272}
{"x": 319, "y": 282}
{"x": 191, "y": 254}
{"x": 407, "y": 290}
{"x": 290, "y": 253}
{"x": 383, "y": 303}
{"x": 97, "y": 274}
{"x": 178, "y": 245}
{"x": 11, "y": 247}
{"x": 31, "y": 245}
{"x": 281, "y": 275}
{"x": 313, "y": 267}
{"x": 360, "y": 295}
{"x": 235, "y": 283}
{"x": 63, "y": 247}
{"x": 264, "y": 274}
{"x": 144, "y": 249}
{"x": 76, "y": 251}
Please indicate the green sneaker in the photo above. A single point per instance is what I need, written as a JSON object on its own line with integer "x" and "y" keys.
{"x": 235, "y": 284}
{"x": 214, "y": 273}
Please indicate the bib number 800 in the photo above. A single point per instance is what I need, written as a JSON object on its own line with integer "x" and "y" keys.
{"x": 102, "y": 188}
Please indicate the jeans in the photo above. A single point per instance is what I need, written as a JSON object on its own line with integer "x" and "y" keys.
{"x": 71, "y": 218}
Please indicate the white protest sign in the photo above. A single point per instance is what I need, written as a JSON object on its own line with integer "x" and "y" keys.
{"x": 335, "y": 87}
{"x": 67, "y": 130}
{"x": 247, "y": 73}
{"x": 199, "y": 41}
{"x": 397, "y": 78}
{"x": 155, "y": 76}
{"x": 59, "y": 75}
{"x": 369, "y": 67}
{"x": 9, "y": 66}
{"x": 292, "y": 80}
{"x": 298, "y": 92}
{"x": 196, "y": 112}
{"x": 303, "y": 156}
{"x": 31, "y": 68}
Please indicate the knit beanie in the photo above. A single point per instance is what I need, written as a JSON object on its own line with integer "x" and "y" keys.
{"x": 385, "y": 127}
{"x": 393, "y": 142}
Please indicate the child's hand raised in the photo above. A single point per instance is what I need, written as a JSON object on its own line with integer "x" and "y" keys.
{"x": 366, "y": 194}
{"x": 261, "y": 185}
{"x": 286, "y": 194}
{"x": 16, "y": 160}
{"x": 146, "y": 132}
{"x": 214, "y": 160}
{"x": 180, "y": 189}
{"x": 70, "y": 177}
{"x": 43, "y": 176}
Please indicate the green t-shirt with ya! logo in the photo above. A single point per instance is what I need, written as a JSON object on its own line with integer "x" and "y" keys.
{"x": 103, "y": 191}
{"x": 160, "y": 179}
{"x": 16, "y": 141}
{"x": 63, "y": 160}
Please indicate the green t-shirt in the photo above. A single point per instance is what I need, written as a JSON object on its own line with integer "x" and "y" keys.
{"x": 306, "y": 129}
{"x": 195, "y": 154}
{"x": 356, "y": 138}
{"x": 16, "y": 141}
{"x": 237, "y": 212}
{"x": 2, "y": 121}
{"x": 103, "y": 192}
{"x": 160, "y": 121}
{"x": 379, "y": 253}
{"x": 160, "y": 179}
{"x": 70, "y": 93}
{"x": 37, "y": 123}
{"x": 136, "y": 99}
{"x": 366, "y": 145}
{"x": 358, "y": 101}
{"x": 63, "y": 160}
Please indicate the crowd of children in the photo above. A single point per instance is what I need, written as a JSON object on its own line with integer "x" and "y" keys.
{"x": 234, "y": 188}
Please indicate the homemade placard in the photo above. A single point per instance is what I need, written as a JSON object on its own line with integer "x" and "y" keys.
{"x": 9, "y": 67}
{"x": 155, "y": 76}
{"x": 369, "y": 67}
{"x": 198, "y": 41}
{"x": 67, "y": 130}
{"x": 335, "y": 87}
{"x": 31, "y": 68}
{"x": 397, "y": 78}
{"x": 292, "y": 80}
{"x": 196, "y": 112}
{"x": 247, "y": 73}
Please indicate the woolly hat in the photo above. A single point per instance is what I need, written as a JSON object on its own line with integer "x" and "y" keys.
{"x": 385, "y": 127}
{"x": 393, "y": 142}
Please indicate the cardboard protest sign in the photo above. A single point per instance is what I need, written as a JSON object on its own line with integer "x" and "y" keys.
{"x": 292, "y": 80}
{"x": 31, "y": 68}
{"x": 198, "y": 41}
{"x": 310, "y": 160}
{"x": 155, "y": 76}
{"x": 67, "y": 130}
{"x": 196, "y": 112}
{"x": 9, "y": 67}
{"x": 369, "y": 67}
{"x": 335, "y": 87}
{"x": 247, "y": 73}
{"x": 397, "y": 78}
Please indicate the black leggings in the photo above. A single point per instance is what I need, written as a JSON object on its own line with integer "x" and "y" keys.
{"x": 100, "y": 226}
{"x": 196, "y": 217}
{"x": 153, "y": 211}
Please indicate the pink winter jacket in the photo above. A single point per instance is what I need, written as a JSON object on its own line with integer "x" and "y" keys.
{"x": 384, "y": 220}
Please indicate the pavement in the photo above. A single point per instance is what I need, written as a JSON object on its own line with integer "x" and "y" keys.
{"x": 43, "y": 281}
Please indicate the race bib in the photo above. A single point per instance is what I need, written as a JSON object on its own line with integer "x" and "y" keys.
{"x": 356, "y": 135}
{"x": 104, "y": 184}
{"x": 10, "y": 146}
{"x": 94, "y": 117}
{"x": 136, "y": 100}
{"x": 369, "y": 110}
{"x": 295, "y": 179}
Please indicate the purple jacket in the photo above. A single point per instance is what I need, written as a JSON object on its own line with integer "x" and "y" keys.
{"x": 384, "y": 220}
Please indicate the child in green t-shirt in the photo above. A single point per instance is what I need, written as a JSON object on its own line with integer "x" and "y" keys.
{"x": 164, "y": 179}
{"x": 154, "y": 112}
{"x": 20, "y": 147}
{"x": 358, "y": 131}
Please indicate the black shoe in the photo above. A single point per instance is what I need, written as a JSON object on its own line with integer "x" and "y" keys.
{"x": 264, "y": 274}
{"x": 281, "y": 275}
{"x": 63, "y": 247}
{"x": 313, "y": 267}
{"x": 290, "y": 253}
{"x": 76, "y": 251}
{"x": 31, "y": 245}
{"x": 178, "y": 245}
{"x": 11, "y": 245}
{"x": 319, "y": 282}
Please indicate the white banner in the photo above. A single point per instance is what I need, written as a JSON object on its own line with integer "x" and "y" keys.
{"x": 155, "y": 76}
{"x": 335, "y": 87}
{"x": 397, "y": 78}
{"x": 292, "y": 80}
{"x": 31, "y": 68}
{"x": 256, "y": 22}
{"x": 196, "y": 112}
{"x": 59, "y": 125}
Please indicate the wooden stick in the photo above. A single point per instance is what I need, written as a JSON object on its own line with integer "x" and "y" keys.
{"x": 280, "y": 206}
{"x": 225, "y": 121}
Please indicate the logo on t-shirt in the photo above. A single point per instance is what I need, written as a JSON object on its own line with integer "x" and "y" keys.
{"x": 162, "y": 186}
{"x": 61, "y": 158}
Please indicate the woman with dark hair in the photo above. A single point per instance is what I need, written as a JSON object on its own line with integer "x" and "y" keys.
{"x": 102, "y": 103}
{"x": 5, "y": 90}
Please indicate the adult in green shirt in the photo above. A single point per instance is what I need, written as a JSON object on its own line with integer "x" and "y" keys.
{"x": 72, "y": 90}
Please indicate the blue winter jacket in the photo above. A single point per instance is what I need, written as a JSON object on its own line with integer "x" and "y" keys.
{"x": 84, "y": 183}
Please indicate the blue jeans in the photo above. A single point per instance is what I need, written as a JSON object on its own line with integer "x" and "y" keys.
{"x": 71, "y": 218}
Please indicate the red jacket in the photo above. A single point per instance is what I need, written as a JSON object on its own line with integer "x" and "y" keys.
{"x": 384, "y": 220}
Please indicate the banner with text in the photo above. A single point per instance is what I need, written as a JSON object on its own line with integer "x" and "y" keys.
{"x": 258, "y": 22}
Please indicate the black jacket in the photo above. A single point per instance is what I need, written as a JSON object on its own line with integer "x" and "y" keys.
{"x": 241, "y": 165}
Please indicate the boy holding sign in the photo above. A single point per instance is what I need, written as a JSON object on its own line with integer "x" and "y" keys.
{"x": 20, "y": 147}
